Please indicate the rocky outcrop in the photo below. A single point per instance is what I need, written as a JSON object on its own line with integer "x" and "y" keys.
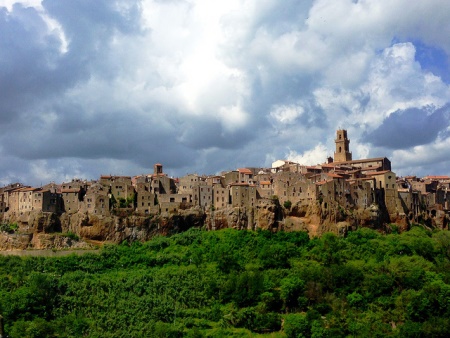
{"x": 37, "y": 230}
{"x": 268, "y": 215}
{"x": 40, "y": 230}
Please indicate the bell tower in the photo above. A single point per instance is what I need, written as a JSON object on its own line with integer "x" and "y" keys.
{"x": 342, "y": 153}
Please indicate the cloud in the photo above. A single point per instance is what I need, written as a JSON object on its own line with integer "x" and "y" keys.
{"x": 310, "y": 157}
{"x": 410, "y": 127}
{"x": 93, "y": 87}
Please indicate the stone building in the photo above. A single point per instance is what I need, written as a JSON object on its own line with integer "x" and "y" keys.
{"x": 342, "y": 153}
{"x": 242, "y": 195}
{"x": 231, "y": 177}
{"x": 202, "y": 195}
{"x": 385, "y": 188}
{"x": 174, "y": 202}
{"x": 118, "y": 186}
{"x": 96, "y": 200}
{"x": 146, "y": 201}
{"x": 220, "y": 196}
{"x": 264, "y": 189}
{"x": 160, "y": 182}
{"x": 187, "y": 183}
{"x": 71, "y": 199}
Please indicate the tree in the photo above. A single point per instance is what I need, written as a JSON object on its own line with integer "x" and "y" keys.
{"x": 287, "y": 204}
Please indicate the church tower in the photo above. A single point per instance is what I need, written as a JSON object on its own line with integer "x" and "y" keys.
{"x": 342, "y": 153}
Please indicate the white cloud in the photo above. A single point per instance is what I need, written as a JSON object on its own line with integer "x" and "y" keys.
{"x": 286, "y": 114}
{"x": 311, "y": 157}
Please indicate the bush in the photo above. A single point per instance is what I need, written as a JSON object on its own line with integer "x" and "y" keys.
{"x": 287, "y": 204}
{"x": 9, "y": 227}
{"x": 296, "y": 325}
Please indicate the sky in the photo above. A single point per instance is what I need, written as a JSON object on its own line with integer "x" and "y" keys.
{"x": 201, "y": 86}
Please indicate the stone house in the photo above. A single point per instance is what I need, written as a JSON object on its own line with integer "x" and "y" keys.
{"x": 174, "y": 202}
{"x": 231, "y": 177}
{"x": 361, "y": 194}
{"x": 146, "y": 201}
{"x": 118, "y": 186}
{"x": 245, "y": 175}
{"x": 47, "y": 201}
{"x": 71, "y": 199}
{"x": 264, "y": 189}
{"x": 242, "y": 195}
{"x": 202, "y": 195}
{"x": 215, "y": 180}
{"x": 385, "y": 188}
{"x": 26, "y": 199}
{"x": 160, "y": 182}
{"x": 96, "y": 200}
{"x": 187, "y": 183}
{"x": 220, "y": 196}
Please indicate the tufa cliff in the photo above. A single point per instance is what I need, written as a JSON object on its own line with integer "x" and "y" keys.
{"x": 41, "y": 230}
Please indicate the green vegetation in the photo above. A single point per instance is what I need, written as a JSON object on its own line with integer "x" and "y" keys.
{"x": 287, "y": 204}
{"x": 9, "y": 227}
{"x": 73, "y": 236}
{"x": 236, "y": 284}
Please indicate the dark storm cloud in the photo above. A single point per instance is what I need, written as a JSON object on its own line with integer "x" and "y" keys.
{"x": 411, "y": 127}
{"x": 33, "y": 66}
{"x": 29, "y": 59}
{"x": 201, "y": 133}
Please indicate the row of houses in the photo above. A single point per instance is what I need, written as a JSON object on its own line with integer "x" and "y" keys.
{"x": 341, "y": 182}
{"x": 244, "y": 187}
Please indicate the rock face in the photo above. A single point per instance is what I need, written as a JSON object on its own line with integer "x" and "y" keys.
{"x": 38, "y": 230}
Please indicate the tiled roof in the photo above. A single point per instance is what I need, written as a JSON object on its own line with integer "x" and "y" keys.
{"x": 245, "y": 171}
{"x": 437, "y": 177}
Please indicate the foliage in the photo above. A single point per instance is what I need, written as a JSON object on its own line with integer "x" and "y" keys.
{"x": 71, "y": 235}
{"x": 233, "y": 283}
{"x": 9, "y": 227}
{"x": 287, "y": 204}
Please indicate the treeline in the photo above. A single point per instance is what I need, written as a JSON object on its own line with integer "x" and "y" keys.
{"x": 236, "y": 283}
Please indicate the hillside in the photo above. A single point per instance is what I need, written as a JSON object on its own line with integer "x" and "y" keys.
{"x": 236, "y": 283}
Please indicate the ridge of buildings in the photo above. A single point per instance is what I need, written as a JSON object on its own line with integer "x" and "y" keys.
{"x": 340, "y": 180}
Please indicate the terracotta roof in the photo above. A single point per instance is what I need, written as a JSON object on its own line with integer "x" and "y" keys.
{"x": 265, "y": 183}
{"x": 334, "y": 175}
{"x": 241, "y": 184}
{"x": 364, "y": 160}
{"x": 245, "y": 171}
{"x": 114, "y": 176}
{"x": 437, "y": 177}
{"x": 28, "y": 189}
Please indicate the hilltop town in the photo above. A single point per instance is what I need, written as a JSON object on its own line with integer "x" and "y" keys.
{"x": 339, "y": 195}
